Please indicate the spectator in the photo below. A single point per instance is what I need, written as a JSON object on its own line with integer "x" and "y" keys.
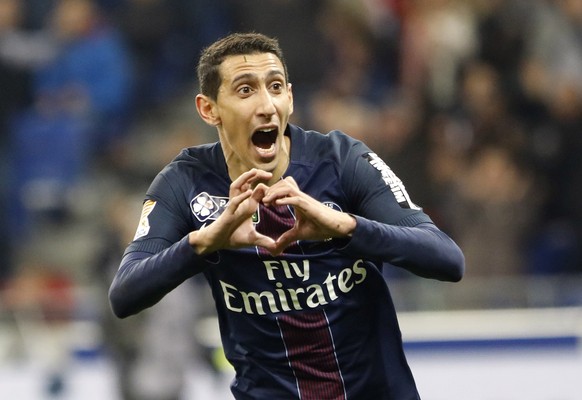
{"x": 20, "y": 51}
{"x": 494, "y": 211}
{"x": 160, "y": 40}
{"x": 81, "y": 102}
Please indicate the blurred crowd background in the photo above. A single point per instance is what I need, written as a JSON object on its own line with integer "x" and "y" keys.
{"x": 475, "y": 104}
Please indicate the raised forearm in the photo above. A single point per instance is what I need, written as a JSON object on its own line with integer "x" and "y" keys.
{"x": 144, "y": 279}
{"x": 423, "y": 250}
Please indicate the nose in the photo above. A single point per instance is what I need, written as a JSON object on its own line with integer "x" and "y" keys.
{"x": 266, "y": 106}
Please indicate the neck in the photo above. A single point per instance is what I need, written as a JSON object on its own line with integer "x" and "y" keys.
{"x": 284, "y": 163}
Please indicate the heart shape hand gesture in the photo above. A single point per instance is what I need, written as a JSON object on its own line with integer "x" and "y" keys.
{"x": 235, "y": 229}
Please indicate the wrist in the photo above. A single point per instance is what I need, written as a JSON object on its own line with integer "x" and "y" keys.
{"x": 195, "y": 240}
{"x": 350, "y": 225}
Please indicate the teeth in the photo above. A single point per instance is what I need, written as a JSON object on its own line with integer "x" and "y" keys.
{"x": 266, "y": 151}
{"x": 264, "y": 141}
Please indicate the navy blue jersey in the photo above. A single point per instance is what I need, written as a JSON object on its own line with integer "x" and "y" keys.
{"x": 316, "y": 322}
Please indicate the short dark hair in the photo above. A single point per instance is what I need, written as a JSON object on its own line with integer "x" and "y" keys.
{"x": 209, "y": 78}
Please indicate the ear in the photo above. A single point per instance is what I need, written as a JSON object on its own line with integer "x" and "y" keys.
{"x": 290, "y": 94}
{"x": 207, "y": 110}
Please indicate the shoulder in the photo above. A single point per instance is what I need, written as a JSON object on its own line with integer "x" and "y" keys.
{"x": 193, "y": 164}
{"x": 310, "y": 143}
{"x": 335, "y": 136}
{"x": 197, "y": 158}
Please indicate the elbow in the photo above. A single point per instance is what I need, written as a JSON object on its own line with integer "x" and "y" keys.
{"x": 119, "y": 307}
{"x": 457, "y": 274}
{"x": 455, "y": 266}
{"x": 123, "y": 299}
{"x": 119, "y": 312}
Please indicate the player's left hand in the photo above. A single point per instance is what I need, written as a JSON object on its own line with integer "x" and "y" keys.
{"x": 314, "y": 220}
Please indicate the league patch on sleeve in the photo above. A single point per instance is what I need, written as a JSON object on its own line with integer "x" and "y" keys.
{"x": 391, "y": 180}
{"x": 144, "y": 224}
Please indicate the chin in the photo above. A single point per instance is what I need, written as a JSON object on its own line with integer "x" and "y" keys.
{"x": 267, "y": 164}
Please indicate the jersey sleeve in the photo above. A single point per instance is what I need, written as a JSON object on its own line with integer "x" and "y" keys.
{"x": 160, "y": 257}
{"x": 375, "y": 190}
{"x": 390, "y": 226}
{"x": 162, "y": 222}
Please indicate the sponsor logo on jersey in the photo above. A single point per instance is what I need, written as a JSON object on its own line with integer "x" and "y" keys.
{"x": 391, "y": 180}
{"x": 205, "y": 206}
{"x": 304, "y": 295}
{"x": 143, "y": 228}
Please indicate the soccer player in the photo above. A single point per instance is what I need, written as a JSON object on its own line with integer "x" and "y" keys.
{"x": 291, "y": 228}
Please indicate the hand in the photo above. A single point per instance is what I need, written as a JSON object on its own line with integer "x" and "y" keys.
{"x": 314, "y": 220}
{"x": 234, "y": 228}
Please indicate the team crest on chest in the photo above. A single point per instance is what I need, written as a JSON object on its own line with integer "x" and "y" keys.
{"x": 205, "y": 207}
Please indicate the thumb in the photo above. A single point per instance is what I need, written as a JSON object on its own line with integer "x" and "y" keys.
{"x": 266, "y": 242}
{"x": 285, "y": 240}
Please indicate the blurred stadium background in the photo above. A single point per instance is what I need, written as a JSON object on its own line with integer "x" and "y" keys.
{"x": 475, "y": 104}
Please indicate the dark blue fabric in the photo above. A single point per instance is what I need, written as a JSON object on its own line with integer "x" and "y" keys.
{"x": 341, "y": 280}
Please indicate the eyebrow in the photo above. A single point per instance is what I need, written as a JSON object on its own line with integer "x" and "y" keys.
{"x": 251, "y": 76}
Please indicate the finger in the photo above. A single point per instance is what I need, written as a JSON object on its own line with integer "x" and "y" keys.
{"x": 235, "y": 202}
{"x": 244, "y": 177}
{"x": 297, "y": 202}
{"x": 277, "y": 192}
{"x": 248, "y": 178}
{"x": 265, "y": 242}
{"x": 285, "y": 240}
{"x": 291, "y": 181}
{"x": 260, "y": 176}
{"x": 255, "y": 175}
{"x": 287, "y": 183}
{"x": 259, "y": 192}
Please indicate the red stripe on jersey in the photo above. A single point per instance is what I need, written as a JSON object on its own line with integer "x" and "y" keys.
{"x": 311, "y": 355}
{"x": 273, "y": 222}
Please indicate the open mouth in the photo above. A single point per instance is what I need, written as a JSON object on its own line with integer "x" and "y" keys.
{"x": 264, "y": 139}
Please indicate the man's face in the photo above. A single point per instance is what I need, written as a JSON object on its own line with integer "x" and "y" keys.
{"x": 253, "y": 106}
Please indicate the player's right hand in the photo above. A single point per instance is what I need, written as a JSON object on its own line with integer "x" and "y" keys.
{"x": 234, "y": 228}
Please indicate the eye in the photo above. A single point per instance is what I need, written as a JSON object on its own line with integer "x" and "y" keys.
{"x": 245, "y": 90}
{"x": 277, "y": 87}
